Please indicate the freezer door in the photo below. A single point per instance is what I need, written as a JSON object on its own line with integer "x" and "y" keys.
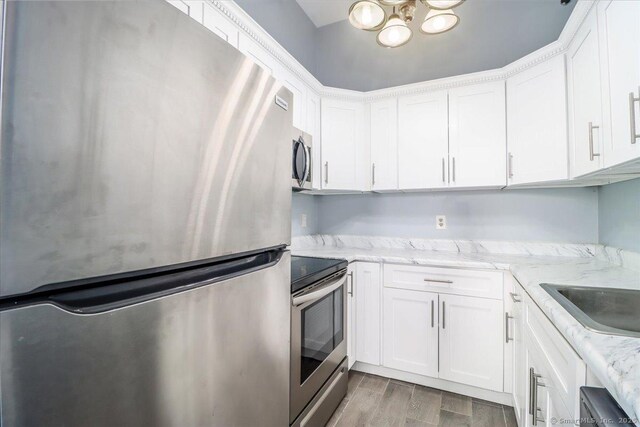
{"x": 217, "y": 355}
{"x": 133, "y": 137}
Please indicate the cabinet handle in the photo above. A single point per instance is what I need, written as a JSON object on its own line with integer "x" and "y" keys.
{"x": 531, "y": 373}
{"x": 454, "y": 169}
{"x": 443, "y": 316}
{"x": 506, "y": 327}
{"x": 432, "y": 315}
{"x": 514, "y": 297}
{"x": 373, "y": 174}
{"x": 350, "y": 292}
{"x": 510, "y": 168}
{"x": 439, "y": 281}
{"x": 443, "y": 180}
{"x": 326, "y": 172}
{"x": 632, "y": 115}
{"x": 534, "y": 400}
{"x": 592, "y": 154}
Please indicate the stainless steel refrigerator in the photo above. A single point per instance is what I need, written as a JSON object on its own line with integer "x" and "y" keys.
{"x": 144, "y": 214}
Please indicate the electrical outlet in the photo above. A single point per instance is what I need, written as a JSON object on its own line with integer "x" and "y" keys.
{"x": 303, "y": 220}
{"x": 441, "y": 222}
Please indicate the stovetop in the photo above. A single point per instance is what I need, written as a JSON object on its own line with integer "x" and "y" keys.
{"x": 308, "y": 270}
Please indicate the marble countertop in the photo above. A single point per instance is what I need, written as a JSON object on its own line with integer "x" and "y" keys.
{"x": 614, "y": 360}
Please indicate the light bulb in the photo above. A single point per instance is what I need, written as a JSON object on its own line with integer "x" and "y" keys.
{"x": 438, "y": 23}
{"x": 366, "y": 15}
{"x": 393, "y": 35}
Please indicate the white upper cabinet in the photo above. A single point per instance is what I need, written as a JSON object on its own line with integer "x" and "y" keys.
{"x": 257, "y": 53}
{"x": 344, "y": 153}
{"x": 423, "y": 141}
{"x": 537, "y": 124}
{"x": 585, "y": 99}
{"x": 477, "y": 135}
{"x": 299, "y": 91}
{"x": 313, "y": 129}
{"x": 619, "y": 30}
{"x": 384, "y": 145}
{"x": 219, "y": 24}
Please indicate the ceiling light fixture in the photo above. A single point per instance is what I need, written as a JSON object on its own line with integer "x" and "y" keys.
{"x": 370, "y": 15}
{"x": 367, "y": 15}
{"x": 395, "y": 32}
{"x": 439, "y": 21}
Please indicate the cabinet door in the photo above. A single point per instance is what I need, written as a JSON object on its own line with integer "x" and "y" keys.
{"x": 477, "y": 135}
{"x": 313, "y": 129}
{"x": 410, "y": 330}
{"x": 343, "y": 151}
{"x": 619, "y": 30}
{"x": 537, "y": 124}
{"x": 351, "y": 314}
{"x": 367, "y": 297}
{"x": 471, "y": 327}
{"x": 423, "y": 141}
{"x": 384, "y": 145}
{"x": 257, "y": 53}
{"x": 585, "y": 100}
{"x": 513, "y": 307}
{"x": 299, "y": 91}
{"x": 215, "y": 21}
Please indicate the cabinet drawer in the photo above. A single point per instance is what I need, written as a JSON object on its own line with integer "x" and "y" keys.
{"x": 484, "y": 284}
{"x": 563, "y": 369}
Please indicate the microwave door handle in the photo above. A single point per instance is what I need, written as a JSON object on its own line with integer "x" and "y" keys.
{"x": 319, "y": 293}
{"x": 307, "y": 163}
{"x": 298, "y": 145}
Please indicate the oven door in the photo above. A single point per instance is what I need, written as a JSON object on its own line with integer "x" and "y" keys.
{"x": 318, "y": 338}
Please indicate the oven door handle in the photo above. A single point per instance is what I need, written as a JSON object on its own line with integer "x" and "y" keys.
{"x": 321, "y": 292}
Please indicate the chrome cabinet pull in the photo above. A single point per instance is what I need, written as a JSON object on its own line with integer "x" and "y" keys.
{"x": 373, "y": 174}
{"x": 534, "y": 400}
{"x": 510, "y": 166}
{"x": 326, "y": 172}
{"x": 632, "y": 115}
{"x": 506, "y": 327}
{"x": 351, "y": 288}
{"x": 514, "y": 297}
{"x": 531, "y": 373}
{"x": 454, "y": 169}
{"x": 443, "y": 180}
{"x": 432, "y": 315}
{"x": 443, "y": 316}
{"x": 439, "y": 281}
{"x": 592, "y": 154}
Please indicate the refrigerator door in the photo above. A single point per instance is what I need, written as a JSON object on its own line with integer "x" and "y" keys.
{"x": 216, "y": 355}
{"x": 133, "y": 137}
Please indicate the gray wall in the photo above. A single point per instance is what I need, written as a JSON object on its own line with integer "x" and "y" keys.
{"x": 308, "y": 205}
{"x": 558, "y": 215}
{"x": 619, "y": 215}
{"x": 491, "y": 34}
{"x": 287, "y": 23}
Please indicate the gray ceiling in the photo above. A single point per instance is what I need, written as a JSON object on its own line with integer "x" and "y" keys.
{"x": 491, "y": 34}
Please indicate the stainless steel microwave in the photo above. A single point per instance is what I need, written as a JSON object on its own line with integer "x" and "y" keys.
{"x": 301, "y": 159}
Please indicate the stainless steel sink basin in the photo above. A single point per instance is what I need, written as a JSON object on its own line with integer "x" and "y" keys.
{"x": 606, "y": 310}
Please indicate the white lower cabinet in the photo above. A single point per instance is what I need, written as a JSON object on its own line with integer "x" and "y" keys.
{"x": 515, "y": 334}
{"x": 411, "y": 331}
{"x": 471, "y": 327}
{"x": 367, "y": 312}
{"x": 351, "y": 314}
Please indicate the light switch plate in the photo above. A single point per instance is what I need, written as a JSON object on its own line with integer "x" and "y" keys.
{"x": 441, "y": 222}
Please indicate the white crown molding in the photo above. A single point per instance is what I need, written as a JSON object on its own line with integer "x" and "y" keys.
{"x": 252, "y": 29}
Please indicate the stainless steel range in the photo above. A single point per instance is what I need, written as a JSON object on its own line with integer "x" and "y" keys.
{"x": 318, "y": 339}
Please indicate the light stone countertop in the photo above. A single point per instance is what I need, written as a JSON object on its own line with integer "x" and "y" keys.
{"x": 614, "y": 360}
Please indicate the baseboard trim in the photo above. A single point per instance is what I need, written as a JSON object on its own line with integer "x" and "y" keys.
{"x": 466, "y": 390}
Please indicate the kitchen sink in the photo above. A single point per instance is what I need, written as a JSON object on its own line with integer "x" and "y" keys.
{"x": 605, "y": 310}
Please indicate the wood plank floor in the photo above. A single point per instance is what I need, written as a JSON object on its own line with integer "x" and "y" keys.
{"x": 377, "y": 401}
